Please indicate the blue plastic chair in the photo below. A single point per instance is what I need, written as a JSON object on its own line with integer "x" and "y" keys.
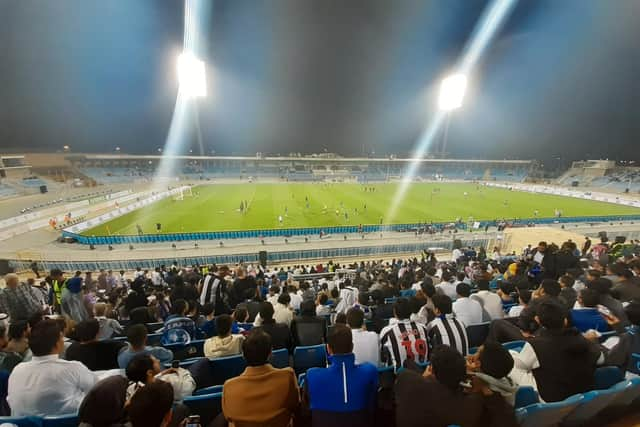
{"x": 280, "y": 358}
{"x": 153, "y": 327}
{"x": 208, "y": 390}
{"x": 68, "y": 420}
{"x": 154, "y": 339}
{"x": 311, "y": 356}
{"x": 208, "y": 406}
{"x": 477, "y": 333}
{"x": 592, "y": 404}
{"x": 23, "y": 421}
{"x": 547, "y": 414}
{"x": 635, "y": 357}
{"x": 514, "y": 345}
{"x": 246, "y": 326}
{"x": 525, "y": 396}
{"x": 607, "y": 376}
{"x": 631, "y": 393}
{"x": 186, "y": 351}
{"x": 390, "y": 300}
{"x": 224, "y": 368}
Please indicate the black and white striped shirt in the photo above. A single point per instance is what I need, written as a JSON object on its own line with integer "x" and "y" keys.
{"x": 450, "y": 331}
{"x": 405, "y": 340}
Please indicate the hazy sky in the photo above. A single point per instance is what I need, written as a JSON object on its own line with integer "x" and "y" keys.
{"x": 561, "y": 79}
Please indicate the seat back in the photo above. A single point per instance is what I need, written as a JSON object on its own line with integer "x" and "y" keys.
{"x": 525, "y": 396}
{"x": 547, "y": 414}
{"x": 208, "y": 390}
{"x": 187, "y": 351}
{"x": 635, "y": 364}
{"x": 280, "y": 358}
{"x": 607, "y": 376}
{"x": 224, "y": 368}
{"x": 309, "y": 357}
{"x": 154, "y": 339}
{"x": 477, "y": 333}
{"x": 514, "y": 345}
{"x": 22, "y": 421}
{"x": 593, "y": 402}
{"x": 631, "y": 393}
{"x": 69, "y": 420}
{"x": 208, "y": 406}
{"x": 246, "y": 326}
{"x": 309, "y": 333}
{"x": 152, "y": 327}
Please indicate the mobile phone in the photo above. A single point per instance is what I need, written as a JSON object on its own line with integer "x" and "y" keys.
{"x": 193, "y": 421}
{"x": 175, "y": 364}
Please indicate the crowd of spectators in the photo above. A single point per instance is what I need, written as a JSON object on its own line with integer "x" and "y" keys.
{"x": 60, "y": 345}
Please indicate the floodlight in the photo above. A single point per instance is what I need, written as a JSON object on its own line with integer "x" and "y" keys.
{"x": 452, "y": 91}
{"x": 191, "y": 77}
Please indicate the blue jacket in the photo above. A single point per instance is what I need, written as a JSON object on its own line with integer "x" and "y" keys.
{"x": 588, "y": 318}
{"x": 343, "y": 387}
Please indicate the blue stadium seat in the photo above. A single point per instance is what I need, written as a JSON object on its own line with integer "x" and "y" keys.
{"x": 208, "y": 406}
{"x": 592, "y": 404}
{"x": 223, "y": 368}
{"x": 208, "y": 390}
{"x": 280, "y": 358}
{"x": 69, "y": 420}
{"x": 390, "y": 300}
{"x": 514, "y": 345}
{"x": 302, "y": 379}
{"x": 245, "y": 326}
{"x": 23, "y": 421}
{"x": 607, "y": 376}
{"x": 631, "y": 393}
{"x": 154, "y": 339}
{"x": 525, "y": 396}
{"x": 547, "y": 414}
{"x": 152, "y": 327}
{"x": 636, "y": 363}
{"x": 477, "y": 333}
{"x": 309, "y": 357}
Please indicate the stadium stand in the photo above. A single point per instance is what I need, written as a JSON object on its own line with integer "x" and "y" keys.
{"x": 599, "y": 387}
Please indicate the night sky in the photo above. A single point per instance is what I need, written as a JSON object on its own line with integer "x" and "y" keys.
{"x": 562, "y": 79}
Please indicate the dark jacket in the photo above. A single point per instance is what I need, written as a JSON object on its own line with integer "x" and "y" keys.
{"x": 242, "y": 290}
{"x": 444, "y": 407}
{"x": 343, "y": 394}
{"x": 527, "y": 321}
{"x": 567, "y": 363}
{"x": 565, "y": 260}
{"x": 620, "y": 354}
{"x": 568, "y": 296}
{"x": 626, "y": 290}
{"x": 308, "y": 330}
{"x": 280, "y": 335}
{"x": 96, "y": 355}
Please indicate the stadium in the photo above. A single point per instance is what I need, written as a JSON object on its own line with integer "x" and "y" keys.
{"x": 245, "y": 215}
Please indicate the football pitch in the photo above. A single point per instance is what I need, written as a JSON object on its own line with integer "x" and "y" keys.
{"x": 217, "y": 207}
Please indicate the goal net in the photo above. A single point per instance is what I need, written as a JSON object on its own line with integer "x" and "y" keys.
{"x": 184, "y": 191}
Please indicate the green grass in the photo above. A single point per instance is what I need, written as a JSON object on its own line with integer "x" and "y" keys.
{"x": 216, "y": 207}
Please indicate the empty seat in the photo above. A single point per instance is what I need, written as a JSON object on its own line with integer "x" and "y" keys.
{"x": 224, "y": 368}
{"x": 525, "y": 396}
{"x": 477, "y": 333}
{"x": 187, "y": 351}
{"x": 592, "y": 404}
{"x": 208, "y": 390}
{"x": 69, "y": 420}
{"x": 280, "y": 358}
{"x": 514, "y": 345}
{"x": 547, "y": 414}
{"x": 607, "y": 376}
{"x": 309, "y": 357}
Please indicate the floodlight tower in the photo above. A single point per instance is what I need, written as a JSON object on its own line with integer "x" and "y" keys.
{"x": 452, "y": 90}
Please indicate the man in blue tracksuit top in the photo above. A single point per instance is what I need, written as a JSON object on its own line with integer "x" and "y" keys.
{"x": 344, "y": 393}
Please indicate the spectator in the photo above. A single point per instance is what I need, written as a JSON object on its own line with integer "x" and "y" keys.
{"x": 447, "y": 403}
{"x": 240, "y": 315}
{"x": 95, "y": 355}
{"x": 308, "y": 329}
{"x": 561, "y": 360}
{"x": 8, "y": 358}
{"x": 322, "y": 305}
{"x": 366, "y": 344}
{"x": 226, "y": 343}
{"x": 296, "y": 299}
{"x": 343, "y": 394}
{"x": 108, "y": 327}
{"x": 48, "y": 385}
{"x": 208, "y": 328}
{"x": 404, "y": 339}
{"x": 178, "y": 327}
{"x": 425, "y": 314}
{"x": 568, "y": 295}
{"x": 628, "y": 342}
{"x": 152, "y": 406}
{"x": 282, "y": 312}
{"x": 491, "y": 366}
{"x": 19, "y": 339}
{"x": 213, "y": 289}
{"x": 19, "y": 300}
{"x": 445, "y": 328}
{"x": 490, "y": 302}
{"x": 244, "y": 287}
{"x": 145, "y": 369}
{"x": 448, "y": 285}
{"x": 71, "y": 300}
{"x": 272, "y": 394}
{"x": 466, "y": 310}
{"x": 603, "y": 287}
{"x": 279, "y": 332}
{"x": 628, "y": 286}
{"x": 524, "y": 297}
{"x": 137, "y": 337}
{"x": 103, "y": 406}
{"x": 585, "y": 315}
